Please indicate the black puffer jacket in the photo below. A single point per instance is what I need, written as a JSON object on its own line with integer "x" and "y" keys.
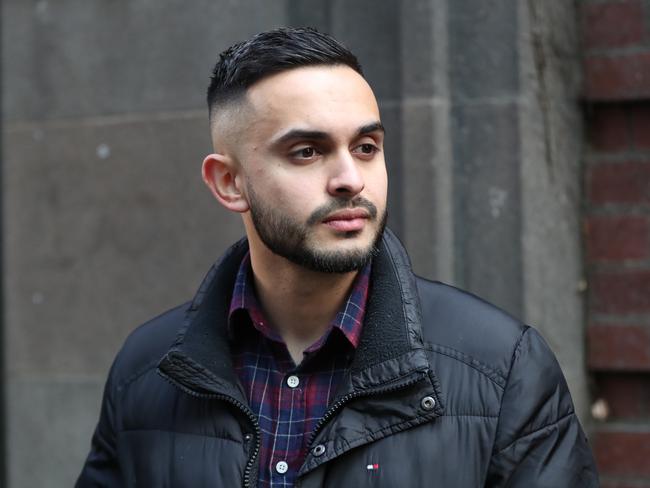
{"x": 445, "y": 390}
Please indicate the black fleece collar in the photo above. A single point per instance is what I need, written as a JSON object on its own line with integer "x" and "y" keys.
{"x": 200, "y": 359}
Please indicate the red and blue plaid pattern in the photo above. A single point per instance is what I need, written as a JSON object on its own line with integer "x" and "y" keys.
{"x": 288, "y": 413}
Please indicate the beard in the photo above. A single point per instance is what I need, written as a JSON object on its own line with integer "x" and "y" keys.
{"x": 289, "y": 238}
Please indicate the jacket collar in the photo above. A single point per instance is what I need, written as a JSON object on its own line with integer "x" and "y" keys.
{"x": 199, "y": 359}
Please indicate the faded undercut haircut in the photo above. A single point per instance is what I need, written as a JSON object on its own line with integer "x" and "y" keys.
{"x": 267, "y": 53}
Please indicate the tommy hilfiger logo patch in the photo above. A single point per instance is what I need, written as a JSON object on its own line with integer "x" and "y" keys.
{"x": 372, "y": 467}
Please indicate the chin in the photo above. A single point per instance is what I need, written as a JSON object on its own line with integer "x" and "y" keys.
{"x": 354, "y": 240}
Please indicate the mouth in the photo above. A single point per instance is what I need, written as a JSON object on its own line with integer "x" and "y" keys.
{"x": 348, "y": 220}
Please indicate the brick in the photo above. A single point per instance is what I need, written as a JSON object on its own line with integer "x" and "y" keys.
{"x": 617, "y": 77}
{"x": 607, "y": 127}
{"x": 614, "y": 347}
{"x": 611, "y": 25}
{"x": 617, "y": 238}
{"x": 624, "y": 484}
{"x": 621, "y": 453}
{"x": 627, "y": 394}
{"x": 627, "y": 182}
{"x": 620, "y": 292}
{"x": 639, "y": 124}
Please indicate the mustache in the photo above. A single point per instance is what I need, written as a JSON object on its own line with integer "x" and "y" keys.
{"x": 341, "y": 204}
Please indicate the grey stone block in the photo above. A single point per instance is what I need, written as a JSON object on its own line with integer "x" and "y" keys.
{"x": 373, "y": 34}
{"x": 310, "y": 13}
{"x": 419, "y": 185}
{"x": 487, "y": 202}
{"x": 106, "y": 224}
{"x": 71, "y": 58}
{"x": 483, "y": 60}
{"x": 419, "y": 48}
{"x": 427, "y": 190}
{"x": 49, "y": 430}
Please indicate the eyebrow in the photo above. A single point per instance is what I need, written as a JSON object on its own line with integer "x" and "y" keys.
{"x": 374, "y": 127}
{"x": 317, "y": 135}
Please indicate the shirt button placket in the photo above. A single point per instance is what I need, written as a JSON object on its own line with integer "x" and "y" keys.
{"x": 292, "y": 381}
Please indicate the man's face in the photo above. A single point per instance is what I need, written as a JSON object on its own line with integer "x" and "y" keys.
{"x": 313, "y": 167}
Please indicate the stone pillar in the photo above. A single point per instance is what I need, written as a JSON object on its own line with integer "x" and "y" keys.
{"x": 491, "y": 153}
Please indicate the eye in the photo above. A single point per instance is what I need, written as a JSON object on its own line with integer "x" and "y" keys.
{"x": 304, "y": 153}
{"x": 366, "y": 150}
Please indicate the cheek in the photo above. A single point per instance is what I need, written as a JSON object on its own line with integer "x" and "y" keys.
{"x": 290, "y": 195}
{"x": 296, "y": 197}
{"x": 294, "y": 187}
{"x": 377, "y": 184}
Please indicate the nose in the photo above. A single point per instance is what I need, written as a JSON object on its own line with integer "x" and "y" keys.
{"x": 345, "y": 177}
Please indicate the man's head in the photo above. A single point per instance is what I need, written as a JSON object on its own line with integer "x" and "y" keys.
{"x": 298, "y": 149}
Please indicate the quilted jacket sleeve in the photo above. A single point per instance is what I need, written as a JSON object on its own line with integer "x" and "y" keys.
{"x": 539, "y": 441}
{"x": 101, "y": 468}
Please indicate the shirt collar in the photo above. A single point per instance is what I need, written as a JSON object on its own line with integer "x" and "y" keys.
{"x": 349, "y": 319}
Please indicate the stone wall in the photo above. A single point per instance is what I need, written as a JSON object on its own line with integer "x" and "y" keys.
{"x": 106, "y": 222}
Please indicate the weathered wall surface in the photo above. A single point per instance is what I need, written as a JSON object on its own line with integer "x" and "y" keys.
{"x": 106, "y": 222}
{"x": 551, "y": 194}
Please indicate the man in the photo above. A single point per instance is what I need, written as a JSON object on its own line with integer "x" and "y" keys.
{"x": 311, "y": 355}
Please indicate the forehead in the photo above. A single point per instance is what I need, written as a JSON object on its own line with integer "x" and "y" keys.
{"x": 329, "y": 98}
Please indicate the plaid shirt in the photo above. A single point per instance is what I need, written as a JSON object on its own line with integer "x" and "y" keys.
{"x": 289, "y": 400}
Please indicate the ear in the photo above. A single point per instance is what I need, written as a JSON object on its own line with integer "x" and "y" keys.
{"x": 221, "y": 174}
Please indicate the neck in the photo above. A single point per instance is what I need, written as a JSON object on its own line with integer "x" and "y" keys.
{"x": 299, "y": 303}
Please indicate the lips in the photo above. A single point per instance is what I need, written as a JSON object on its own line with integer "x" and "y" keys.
{"x": 347, "y": 220}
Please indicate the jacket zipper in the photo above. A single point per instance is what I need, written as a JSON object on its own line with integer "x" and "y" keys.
{"x": 356, "y": 394}
{"x": 244, "y": 408}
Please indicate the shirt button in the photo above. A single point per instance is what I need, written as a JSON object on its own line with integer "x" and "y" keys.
{"x": 281, "y": 467}
{"x": 293, "y": 381}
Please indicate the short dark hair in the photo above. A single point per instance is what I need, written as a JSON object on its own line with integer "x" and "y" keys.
{"x": 267, "y": 53}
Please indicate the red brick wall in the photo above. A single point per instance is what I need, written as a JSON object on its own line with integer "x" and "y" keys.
{"x": 616, "y": 46}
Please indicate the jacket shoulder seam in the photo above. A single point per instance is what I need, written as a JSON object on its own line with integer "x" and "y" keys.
{"x": 515, "y": 355}
{"x": 492, "y": 374}
{"x": 134, "y": 376}
{"x": 532, "y": 433}
{"x": 516, "y": 352}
